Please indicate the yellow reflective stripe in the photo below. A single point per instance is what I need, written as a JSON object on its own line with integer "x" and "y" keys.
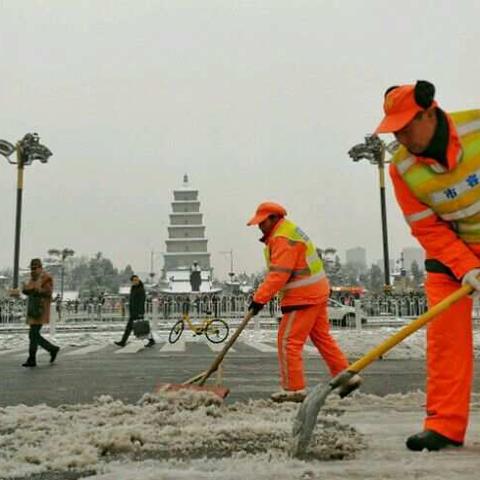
{"x": 293, "y": 233}
{"x": 459, "y": 214}
{"x": 470, "y": 237}
{"x": 419, "y": 175}
{"x": 469, "y": 127}
{"x": 470, "y": 181}
{"x": 305, "y": 281}
{"x": 404, "y": 165}
{"x": 415, "y": 217}
{"x": 468, "y": 227}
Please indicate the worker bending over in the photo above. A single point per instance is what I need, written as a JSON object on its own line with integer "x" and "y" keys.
{"x": 296, "y": 271}
{"x": 436, "y": 178}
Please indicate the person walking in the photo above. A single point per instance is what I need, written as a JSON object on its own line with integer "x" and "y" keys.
{"x": 136, "y": 310}
{"x": 296, "y": 272}
{"x": 39, "y": 291}
{"x": 436, "y": 179}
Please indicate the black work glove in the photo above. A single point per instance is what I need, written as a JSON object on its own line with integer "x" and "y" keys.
{"x": 255, "y": 307}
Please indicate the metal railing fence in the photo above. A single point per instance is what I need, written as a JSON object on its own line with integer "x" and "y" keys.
{"x": 225, "y": 306}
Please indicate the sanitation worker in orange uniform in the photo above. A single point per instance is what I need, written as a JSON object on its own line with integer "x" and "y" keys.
{"x": 296, "y": 271}
{"x": 436, "y": 178}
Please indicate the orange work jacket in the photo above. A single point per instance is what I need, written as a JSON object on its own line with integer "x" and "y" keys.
{"x": 437, "y": 236}
{"x": 287, "y": 257}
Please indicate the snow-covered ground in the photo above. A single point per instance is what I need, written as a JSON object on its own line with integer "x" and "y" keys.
{"x": 192, "y": 436}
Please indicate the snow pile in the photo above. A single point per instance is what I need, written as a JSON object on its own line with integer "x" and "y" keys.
{"x": 168, "y": 426}
{"x": 185, "y": 435}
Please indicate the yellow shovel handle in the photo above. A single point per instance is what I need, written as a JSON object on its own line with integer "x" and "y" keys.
{"x": 407, "y": 330}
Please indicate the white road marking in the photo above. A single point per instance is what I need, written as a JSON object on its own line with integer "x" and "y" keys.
{"x": 14, "y": 351}
{"x": 83, "y": 350}
{"x": 262, "y": 347}
{"x": 178, "y": 346}
{"x": 217, "y": 347}
{"x": 131, "y": 347}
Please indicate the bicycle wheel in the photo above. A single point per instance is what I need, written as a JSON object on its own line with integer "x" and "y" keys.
{"x": 176, "y": 331}
{"x": 217, "y": 331}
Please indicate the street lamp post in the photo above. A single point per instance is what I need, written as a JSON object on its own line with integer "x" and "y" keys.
{"x": 231, "y": 274}
{"x": 27, "y": 150}
{"x": 373, "y": 150}
{"x": 62, "y": 256}
{"x": 153, "y": 254}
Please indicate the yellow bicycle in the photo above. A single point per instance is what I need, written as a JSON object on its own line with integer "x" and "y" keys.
{"x": 215, "y": 329}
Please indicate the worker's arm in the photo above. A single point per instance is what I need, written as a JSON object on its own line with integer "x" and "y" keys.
{"x": 283, "y": 258}
{"x": 434, "y": 234}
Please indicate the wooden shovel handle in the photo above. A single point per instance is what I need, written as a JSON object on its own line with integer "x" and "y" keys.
{"x": 218, "y": 360}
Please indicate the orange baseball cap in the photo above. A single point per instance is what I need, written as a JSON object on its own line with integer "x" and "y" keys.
{"x": 400, "y": 107}
{"x": 264, "y": 210}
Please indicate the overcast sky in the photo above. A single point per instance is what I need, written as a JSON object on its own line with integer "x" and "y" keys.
{"x": 255, "y": 100}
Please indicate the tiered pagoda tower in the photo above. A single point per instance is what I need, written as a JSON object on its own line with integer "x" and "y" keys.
{"x": 186, "y": 241}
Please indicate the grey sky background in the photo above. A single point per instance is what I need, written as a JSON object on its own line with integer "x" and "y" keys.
{"x": 255, "y": 100}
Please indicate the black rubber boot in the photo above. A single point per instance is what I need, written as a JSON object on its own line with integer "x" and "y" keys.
{"x": 431, "y": 441}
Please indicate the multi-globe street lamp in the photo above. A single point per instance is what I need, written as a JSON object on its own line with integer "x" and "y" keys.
{"x": 62, "y": 255}
{"x": 28, "y": 149}
{"x": 373, "y": 150}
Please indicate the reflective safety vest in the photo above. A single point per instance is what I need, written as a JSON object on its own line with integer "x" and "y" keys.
{"x": 303, "y": 277}
{"x": 453, "y": 195}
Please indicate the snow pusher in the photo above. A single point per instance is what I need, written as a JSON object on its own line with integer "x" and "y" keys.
{"x": 198, "y": 381}
{"x": 307, "y": 414}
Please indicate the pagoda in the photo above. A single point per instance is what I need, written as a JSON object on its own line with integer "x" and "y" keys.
{"x": 186, "y": 245}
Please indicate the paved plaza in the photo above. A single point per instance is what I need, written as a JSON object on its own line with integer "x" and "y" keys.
{"x": 250, "y": 371}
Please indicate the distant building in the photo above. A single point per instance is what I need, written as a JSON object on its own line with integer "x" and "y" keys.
{"x": 186, "y": 244}
{"x": 413, "y": 254}
{"x": 357, "y": 256}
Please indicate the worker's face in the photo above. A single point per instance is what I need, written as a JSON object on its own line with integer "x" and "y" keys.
{"x": 267, "y": 225}
{"x": 417, "y": 135}
{"x": 135, "y": 281}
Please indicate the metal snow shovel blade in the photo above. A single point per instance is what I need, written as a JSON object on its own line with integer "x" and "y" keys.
{"x": 197, "y": 382}
{"x": 307, "y": 414}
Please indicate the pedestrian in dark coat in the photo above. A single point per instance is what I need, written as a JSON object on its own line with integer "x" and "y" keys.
{"x": 39, "y": 291}
{"x": 136, "y": 310}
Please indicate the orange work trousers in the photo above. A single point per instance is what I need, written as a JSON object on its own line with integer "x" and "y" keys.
{"x": 295, "y": 328}
{"x": 449, "y": 361}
